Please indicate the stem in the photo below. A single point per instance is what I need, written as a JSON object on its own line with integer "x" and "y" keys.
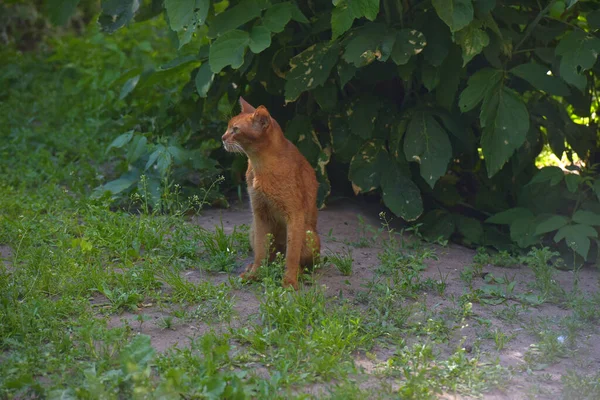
{"x": 534, "y": 24}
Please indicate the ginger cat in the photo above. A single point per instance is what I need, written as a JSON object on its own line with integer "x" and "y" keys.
{"x": 283, "y": 192}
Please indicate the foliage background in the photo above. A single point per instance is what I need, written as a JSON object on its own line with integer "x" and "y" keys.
{"x": 440, "y": 107}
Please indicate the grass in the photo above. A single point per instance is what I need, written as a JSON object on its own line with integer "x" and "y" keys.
{"x": 90, "y": 284}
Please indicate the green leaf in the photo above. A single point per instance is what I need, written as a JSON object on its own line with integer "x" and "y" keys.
{"x": 409, "y": 42}
{"x": 120, "y": 141}
{"x": 478, "y": 86}
{"x": 579, "y": 52}
{"x": 118, "y": 185}
{"x": 154, "y": 156}
{"x": 116, "y": 14}
{"x": 593, "y": 19}
{"x": 430, "y": 76}
{"x": 572, "y": 181}
{"x": 455, "y": 13}
{"x": 522, "y": 231}
{"x": 326, "y": 96}
{"x": 298, "y": 16}
{"x": 364, "y": 8}
{"x": 228, "y": 49}
{"x": 472, "y": 39}
{"x": 204, "y": 79}
{"x": 341, "y": 20}
{"x": 536, "y": 75}
{"x": 439, "y": 40}
{"x": 368, "y": 166}
{"x": 345, "y": 144}
{"x": 362, "y": 114}
{"x": 509, "y": 216}
{"x": 505, "y": 128}
{"x": 437, "y": 224}
{"x": 364, "y": 46}
{"x": 427, "y": 143}
{"x": 586, "y": 218}
{"x": 137, "y": 147}
{"x": 310, "y": 69}
{"x": 400, "y": 194}
{"x": 484, "y": 6}
{"x": 470, "y": 228}
{"x": 186, "y": 14}
{"x": 551, "y": 224}
{"x": 139, "y": 352}
{"x": 551, "y": 174}
{"x": 596, "y": 188}
{"x": 164, "y": 162}
{"x": 60, "y": 11}
{"x": 129, "y": 86}
{"x": 277, "y": 16}
{"x": 577, "y": 238}
{"x": 450, "y": 73}
{"x": 234, "y": 17}
{"x": 260, "y": 39}
{"x": 345, "y": 72}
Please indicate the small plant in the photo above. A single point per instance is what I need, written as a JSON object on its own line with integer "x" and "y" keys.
{"x": 342, "y": 261}
{"x": 167, "y": 322}
{"x": 540, "y": 261}
{"x": 121, "y": 299}
{"x": 222, "y": 250}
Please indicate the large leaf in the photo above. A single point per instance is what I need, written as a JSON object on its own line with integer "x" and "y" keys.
{"x": 470, "y": 228}
{"x": 60, "y": 11}
{"x": 204, "y": 79}
{"x": 577, "y": 238}
{"x": 137, "y": 147}
{"x": 234, "y": 17}
{"x": 345, "y": 144}
{"x": 117, "y": 13}
{"x": 522, "y": 231}
{"x": 186, "y": 14}
{"x": 551, "y": 224}
{"x": 455, "y": 13}
{"x": 365, "y": 45}
{"x": 553, "y": 175}
{"x": 439, "y": 40}
{"x": 364, "y": 8}
{"x": 579, "y": 52}
{"x": 362, "y": 114}
{"x": 437, "y": 224}
{"x": 472, "y": 39}
{"x": 277, "y": 16}
{"x": 537, "y": 75}
{"x": 260, "y": 39}
{"x": 310, "y": 69}
{"x": 450, "y": 73}
{"x": 427, "y": 143}
{"x": 586, "y": 218}
{"x": 400, "y": 194}
{"x": 505, "y": 122}
{"x": 409, "y": 42}
{"x": 342, "y": 19}
{"x": 228, "y": 49}
{"x": 368, "y": 166}
{"x": 129, "y": 86}
{"x": 478, "y": 87}
{"x": 509, "y": 216}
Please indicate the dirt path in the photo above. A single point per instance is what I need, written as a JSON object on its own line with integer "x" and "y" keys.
{"x": 512, "y": 332}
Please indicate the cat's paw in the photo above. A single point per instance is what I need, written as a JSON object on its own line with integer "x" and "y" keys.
{"x": 289, "y": 282}
{"x": 249, "y": 274}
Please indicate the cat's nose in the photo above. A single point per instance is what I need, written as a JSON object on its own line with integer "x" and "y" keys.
{"x": 224, "y": 137}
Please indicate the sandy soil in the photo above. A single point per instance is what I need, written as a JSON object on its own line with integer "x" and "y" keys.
{"x": 341, "y": 220}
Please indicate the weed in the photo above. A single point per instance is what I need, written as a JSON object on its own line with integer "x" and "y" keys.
{"x": 581, "y": 387}
{"x": 342, "y": 261}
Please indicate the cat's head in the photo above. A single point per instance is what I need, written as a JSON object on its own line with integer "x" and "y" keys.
{"x": 248, "y": 131}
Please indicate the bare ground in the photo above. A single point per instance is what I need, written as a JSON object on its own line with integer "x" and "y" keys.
{"x": 341, "y": 221}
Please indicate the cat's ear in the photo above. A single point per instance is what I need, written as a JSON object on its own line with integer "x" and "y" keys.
{"x": 246, "y": 107}
{"x": 262, "y": 117}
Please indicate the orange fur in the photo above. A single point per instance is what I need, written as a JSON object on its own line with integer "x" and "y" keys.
{"x": 283, "y": 191}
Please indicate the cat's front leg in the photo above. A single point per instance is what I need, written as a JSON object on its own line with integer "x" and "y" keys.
{"x": 258, "y": 239}
{"x": 295, "y": 239}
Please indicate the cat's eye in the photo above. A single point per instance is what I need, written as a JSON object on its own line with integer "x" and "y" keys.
{"x": 235, "y": 130}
